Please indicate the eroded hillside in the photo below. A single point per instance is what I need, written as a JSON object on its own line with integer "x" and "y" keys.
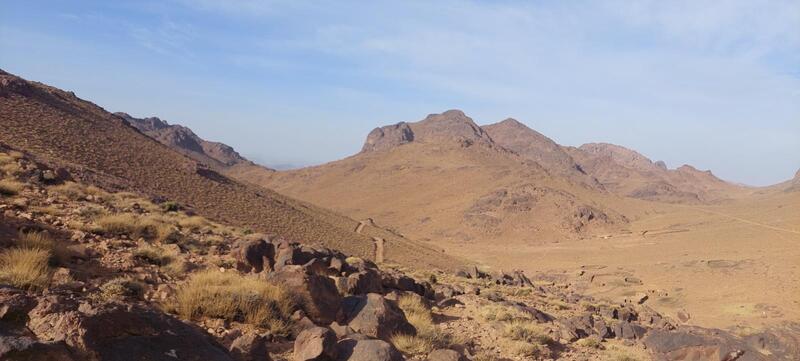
{"x": 57, "y": 128}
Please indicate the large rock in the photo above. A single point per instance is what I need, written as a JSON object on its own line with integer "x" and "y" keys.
{"x": 253, "y": 255}
{"x": 250, "y": 347}
{"x": 318, "y": 295}
{"x": 315, "y": 344}
{"x": 14, "y": 348}
{"x": 120, "y": 333}
{"x": 375, "y": 316}
{"x": 363, "y": 282}
{"x": 445, "y": 355}
{"x": 698, "y": 344}
{"x": 367, "y": 350}
{"x": 285, "y": 254}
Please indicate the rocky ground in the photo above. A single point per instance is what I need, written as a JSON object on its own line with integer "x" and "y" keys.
{"x": 90, "y": 275}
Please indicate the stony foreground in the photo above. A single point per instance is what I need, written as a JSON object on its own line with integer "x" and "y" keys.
{"x": 91, "y": 275}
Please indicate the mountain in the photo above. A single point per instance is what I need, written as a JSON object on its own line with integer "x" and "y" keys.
{"x": 450, "y": 126}
{"x": 218, "y": 156}
{"x": 629, "y": 173}
{"x": 182, "y": 138}
{"x": 444, "y": 178}
{"x": 530, "y": 144}
{"x": 59, "y": 129}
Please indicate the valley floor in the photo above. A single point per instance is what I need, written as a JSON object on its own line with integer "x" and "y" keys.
{"x": 734, "y": 266}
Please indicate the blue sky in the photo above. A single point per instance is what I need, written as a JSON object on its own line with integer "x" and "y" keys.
{"x": 715, "y": 84}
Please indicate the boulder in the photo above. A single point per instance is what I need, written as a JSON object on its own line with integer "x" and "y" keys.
{"x": 363, "y": 282}
{"x": 375, "y": 316}
{"x": 250, "y": 347}
{"x": 629, "y": 331}
{"x": 445, "y": 355}
{"x": 285, "y": 254}
{"x": 120, "y": 332}
{"x": 367, "y": 350}
{"x": 694, "y": 343}
{"x": 318, "y": 295}
{"x": 253, "y": 255}
{"x": 26, "y": 348}
{"x": 315, "y": 344}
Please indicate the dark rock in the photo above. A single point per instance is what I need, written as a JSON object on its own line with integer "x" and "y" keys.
{"x": 694, "y": 343}
{"x": 375, "y": 316}
{"x": 363, "y": 282}
{"x": 450, "y": 302}
{"x": 315, "y": 344}
{"x": 14, "y": 348}
{"x": 285, "y": 254}
{"x": 629, "y": 331}
{"x": 120, "y": 333}
{"x": 445, "y": 355}
{"x": 341, "y": 331}
{"x": 253, "y": 255}
{"x": 318, "y": 295}
{"x": 367, "y": 350}
{"x": 250, "y": 347}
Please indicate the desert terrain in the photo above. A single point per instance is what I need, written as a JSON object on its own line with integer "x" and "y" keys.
{"x": 724, "y": 254}
{"x": 442, "y": 240}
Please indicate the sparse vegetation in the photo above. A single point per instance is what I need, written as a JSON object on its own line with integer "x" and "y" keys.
{"x": 69, "y": 190}
{"x": 234, "y": 297}
{"x": 170, "y": 206}
{"x": 25, "y": 268}
{"x": 428, "y": 337}
{"x": 10, "y": 187}
{"x": 121, "y": 288}
{"x": 42, "y": 241}
{"x": 135, "y": 226}
{"x": 502, "y": 314}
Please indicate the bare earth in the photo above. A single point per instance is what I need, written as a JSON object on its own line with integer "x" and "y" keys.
{"x": 732, "y": 266}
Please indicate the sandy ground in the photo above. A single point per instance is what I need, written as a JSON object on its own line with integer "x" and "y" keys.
{"x": 734, "y": 266}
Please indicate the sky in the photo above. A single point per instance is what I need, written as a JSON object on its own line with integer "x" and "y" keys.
{"x": 715, "y": 84}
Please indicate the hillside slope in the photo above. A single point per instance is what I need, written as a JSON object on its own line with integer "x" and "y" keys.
{"x": 59, "y": 129}
{"x": 530, "y": 144}
{"x": 628, "y": 173}
{"x": 445, "y": 179}
{"x": 218, "y": 156}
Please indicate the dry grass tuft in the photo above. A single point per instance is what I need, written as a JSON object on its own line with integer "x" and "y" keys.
{"x": 69, "y": 190}
{"x": 150, "y": 228}
{"x": 428, "y": 337}
{"x": 193, "y": 223}
{"x": 234, "y": 297}
{"x": 526, "y": 331}
{"x": 502, "y": 314}
{"x": 412, "y": 345}
{"x": 25, "y": 268}
{"x": 10, "y": 187}
{"x": 121, "y": 288}
{"x": 42, "y": 241}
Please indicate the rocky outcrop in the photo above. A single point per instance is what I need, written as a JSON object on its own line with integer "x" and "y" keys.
{"x": 315, "y": 344}
{"x": 59, "y": 326}
{"x": 367, "y": 350}
{"x": 375, "y": 316}
{"x": 185, "y": 140}
{"x": 317, "y": 294}
{"x": 532, "y": 145}
{"x": 450, "y": 126}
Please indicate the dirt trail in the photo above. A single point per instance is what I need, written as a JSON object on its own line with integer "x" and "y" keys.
{"x": 744, "y": 220}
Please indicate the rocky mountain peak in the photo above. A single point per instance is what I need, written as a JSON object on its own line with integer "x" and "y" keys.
{"x": 448, "y": 126}
{"x": 624, "y": 156}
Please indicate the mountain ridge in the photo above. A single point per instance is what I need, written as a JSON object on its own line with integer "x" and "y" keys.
{"x": 57, "y": 128}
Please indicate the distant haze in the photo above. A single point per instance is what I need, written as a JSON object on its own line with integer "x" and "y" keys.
{"x": 712, "y": 84}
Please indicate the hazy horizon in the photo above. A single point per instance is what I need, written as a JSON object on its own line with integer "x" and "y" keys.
{"x": 716, "y": 87}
